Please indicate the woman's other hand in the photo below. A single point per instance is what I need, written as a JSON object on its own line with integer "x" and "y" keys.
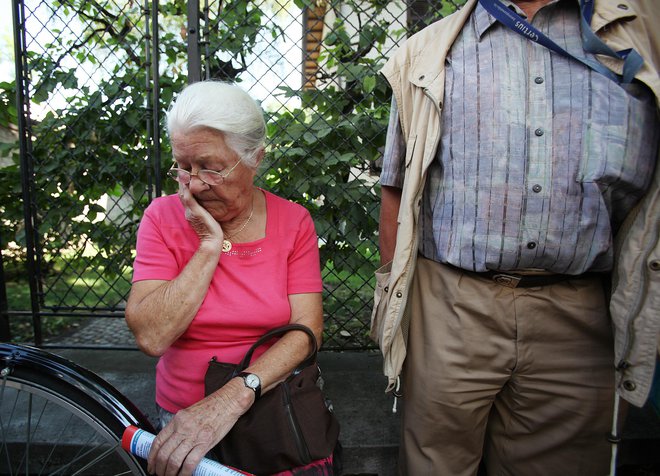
{"x": 194, "y": 431}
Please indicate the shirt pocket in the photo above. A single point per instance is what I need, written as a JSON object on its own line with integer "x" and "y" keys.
{"x": 619, "y": 144}
{"x": 603, "y": 153}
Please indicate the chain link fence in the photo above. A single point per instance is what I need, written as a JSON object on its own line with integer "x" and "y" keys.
{"x": 85, "y": 153}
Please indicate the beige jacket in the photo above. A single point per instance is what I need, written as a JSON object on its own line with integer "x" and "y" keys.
{"x": 416, "y": 75}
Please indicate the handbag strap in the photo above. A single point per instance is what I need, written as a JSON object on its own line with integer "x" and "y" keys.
{"x": 278, "y": 331}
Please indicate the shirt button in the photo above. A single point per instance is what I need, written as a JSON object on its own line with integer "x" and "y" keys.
{"x": 655, "y": 265}
{"x": 629, "y": 385}
{"x": 539, "y": 132}
{"x": 537, "y": 188}
{"x": 538, "y": 80}
{"x": 399, "y": 294}
{"x": 622, "y": 6}
{"x": 531, "y": 245}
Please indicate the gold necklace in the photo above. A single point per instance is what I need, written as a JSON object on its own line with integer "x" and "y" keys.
{"x": 226, "y": 243}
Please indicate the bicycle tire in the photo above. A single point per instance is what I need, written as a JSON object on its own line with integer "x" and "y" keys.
{"x": 61, "y": 419}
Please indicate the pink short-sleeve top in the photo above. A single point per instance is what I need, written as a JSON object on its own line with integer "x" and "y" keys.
{"x": 248, "y": 294}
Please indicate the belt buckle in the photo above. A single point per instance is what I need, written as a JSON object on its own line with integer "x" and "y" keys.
{"x": 506, "y": 280}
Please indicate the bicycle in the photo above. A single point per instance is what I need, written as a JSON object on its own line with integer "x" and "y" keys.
{"x": 59, "y": 418}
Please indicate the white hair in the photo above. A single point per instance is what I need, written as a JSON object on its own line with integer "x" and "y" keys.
{"x": 223, "y": 107}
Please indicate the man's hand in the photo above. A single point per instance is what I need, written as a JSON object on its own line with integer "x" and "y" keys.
{"x": 389, "y": 212}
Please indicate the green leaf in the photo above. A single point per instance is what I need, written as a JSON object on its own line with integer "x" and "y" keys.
{"x": 369, "y": 84}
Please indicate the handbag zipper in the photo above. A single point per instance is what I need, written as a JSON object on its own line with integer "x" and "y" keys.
{"x": 303, "y": 451}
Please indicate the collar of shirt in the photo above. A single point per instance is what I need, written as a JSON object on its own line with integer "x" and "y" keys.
{"x": 484, "y": 20}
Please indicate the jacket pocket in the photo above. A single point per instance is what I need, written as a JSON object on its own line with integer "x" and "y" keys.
{"x": 381, "y": 301}
{"x": 410, "y": 149}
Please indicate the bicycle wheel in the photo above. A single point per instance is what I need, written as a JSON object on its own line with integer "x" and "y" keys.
{"x": 60, "y": 419}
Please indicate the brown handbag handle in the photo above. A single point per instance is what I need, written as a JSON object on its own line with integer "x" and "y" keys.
{"x": 278, "y": 331}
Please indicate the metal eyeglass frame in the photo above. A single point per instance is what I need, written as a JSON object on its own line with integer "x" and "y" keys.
{"x": 185, "y": 177}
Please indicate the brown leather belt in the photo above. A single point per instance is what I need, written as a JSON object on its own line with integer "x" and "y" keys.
{"x": 513, "y": 280}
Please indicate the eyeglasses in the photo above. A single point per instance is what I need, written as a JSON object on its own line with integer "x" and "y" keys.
{"x": 209, "y": 177}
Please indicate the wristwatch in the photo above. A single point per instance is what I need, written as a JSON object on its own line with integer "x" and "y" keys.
{"x": 253, "y": 382}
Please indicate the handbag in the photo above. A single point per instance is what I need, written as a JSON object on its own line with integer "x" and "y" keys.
{"x": 288, "y": 427}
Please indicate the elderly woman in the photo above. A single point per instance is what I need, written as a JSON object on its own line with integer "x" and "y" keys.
{"x": 217, "y": 266}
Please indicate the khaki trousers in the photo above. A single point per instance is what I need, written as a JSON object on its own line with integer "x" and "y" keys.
{"x": 522, "y": 376}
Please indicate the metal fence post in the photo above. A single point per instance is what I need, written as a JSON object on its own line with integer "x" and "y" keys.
{"x": 155, "y": 99}
{"x": 5, "y": 331}
{"x": 194, "y": 62}
{"x": 27, "y": 181}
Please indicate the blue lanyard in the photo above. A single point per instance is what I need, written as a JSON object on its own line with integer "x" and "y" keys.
{"x": 590, "y": 42}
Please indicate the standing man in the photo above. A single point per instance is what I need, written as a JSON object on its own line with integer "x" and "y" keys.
{"x": 519, "y": 224}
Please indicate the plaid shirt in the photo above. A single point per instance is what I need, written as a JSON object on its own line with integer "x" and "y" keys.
{"x": 540, "y": 157}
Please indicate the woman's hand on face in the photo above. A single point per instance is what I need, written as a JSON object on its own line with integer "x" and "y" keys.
{"x": 181, "y": 445}
{"x": 206, "y": 227}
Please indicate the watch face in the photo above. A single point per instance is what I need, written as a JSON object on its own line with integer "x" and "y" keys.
{"x": 252, "y": 381}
